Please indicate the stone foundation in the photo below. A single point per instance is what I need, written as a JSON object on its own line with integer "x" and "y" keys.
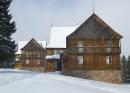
{"x": 111, "y": 76}
{"x": 37, "y": 69}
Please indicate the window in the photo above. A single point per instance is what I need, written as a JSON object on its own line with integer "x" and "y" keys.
{"x": 27, "y": 61}
{"x": 109, "y": 46}
{"x": 109, "y": 43}
{"x": 80, "y": 46}
{"x": 27, "y": 54}
{"x": 55, "y": 51}
{"x": 38, "y": 61}
{"x": 80, "y": 59}
{"x": 38, "y": 54}
{"x": 109, "y": 59}
{"x": 30, "y": 53}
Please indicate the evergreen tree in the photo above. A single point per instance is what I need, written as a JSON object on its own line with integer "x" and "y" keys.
{"x": 7, "y": 28}
{"x": 128, "y": 70}
{"x": 123, "y": 69}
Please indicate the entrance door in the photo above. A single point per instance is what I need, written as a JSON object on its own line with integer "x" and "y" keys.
{"x": 57, "y": 65}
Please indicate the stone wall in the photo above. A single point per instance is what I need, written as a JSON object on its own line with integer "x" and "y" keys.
{"x": 37, "y": 69}
{"x": 111, "y": 76}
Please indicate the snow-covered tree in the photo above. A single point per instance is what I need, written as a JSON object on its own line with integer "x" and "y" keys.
{"x": 7, "y": 28}
{"x": 123, "y": 69}
{"x": 128, "y": 70}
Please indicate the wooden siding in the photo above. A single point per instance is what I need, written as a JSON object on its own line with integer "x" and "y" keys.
{"x": 92, "y": 62}
{"x": 32, "y": 58}
{"x": 94, "y": 52}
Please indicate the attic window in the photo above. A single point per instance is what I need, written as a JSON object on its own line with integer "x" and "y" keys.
{"x": 109, "y": 46}
{"x": 109, "y": 59}
{"x": 109, "y": 43}
{"x": 80, "y": 46}
{"x": 27, "y": 54}
{"x": 80, "y": 43}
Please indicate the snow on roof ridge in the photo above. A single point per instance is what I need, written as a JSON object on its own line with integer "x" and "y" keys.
{"x": 21, "y": 44}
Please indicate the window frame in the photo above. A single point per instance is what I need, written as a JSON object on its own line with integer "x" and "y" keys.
{"x": 80, "y": 46}
{"x": 27, "y": 61}
{"x": 108, "y": 59}
{"x": 80, "y": 60}
{"x": 38, "y": 61}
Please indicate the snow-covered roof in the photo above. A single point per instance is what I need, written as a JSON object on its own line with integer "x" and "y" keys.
{"x": 58, "y": 36}
{"x": 56, "y": 56}
{"x": 21, "y": 44}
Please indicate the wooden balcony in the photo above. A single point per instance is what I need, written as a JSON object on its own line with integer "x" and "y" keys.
{"x": 97, "y": 50}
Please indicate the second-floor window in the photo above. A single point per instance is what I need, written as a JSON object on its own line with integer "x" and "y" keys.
{"x": 27, "y": 61}
{"x": 38, "y": 61}
{"x": 80, "y": 59}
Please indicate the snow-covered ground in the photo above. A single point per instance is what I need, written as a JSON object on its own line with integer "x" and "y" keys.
{"x": 18, "y": 81}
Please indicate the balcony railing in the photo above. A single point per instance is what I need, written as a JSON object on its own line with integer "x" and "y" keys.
{"x": 31, "y": 57}
{"x": 94, "y": 50}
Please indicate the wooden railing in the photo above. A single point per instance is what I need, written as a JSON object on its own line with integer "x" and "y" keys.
{"x": 94, "y": 50}
{"x": 31, "y": 57}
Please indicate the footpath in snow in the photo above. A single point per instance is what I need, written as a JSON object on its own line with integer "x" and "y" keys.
{"x": 19, "y": 81}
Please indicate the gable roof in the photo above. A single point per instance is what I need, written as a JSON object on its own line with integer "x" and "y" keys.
{"x": 23, "y": 44}
{"x": 58, "y": 36}
{"x": 94, "y": 28}
{"x": 33, "y": 44}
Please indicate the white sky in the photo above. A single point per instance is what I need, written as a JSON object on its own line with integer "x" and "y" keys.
{"x": 34, "y": 17}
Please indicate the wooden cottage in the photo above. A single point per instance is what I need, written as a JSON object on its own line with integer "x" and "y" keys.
{"x": 18, "y": 53}
{"x": 93, "y": 51}
{"x": 33, "y": 55}
{"x": 56, "y": 46}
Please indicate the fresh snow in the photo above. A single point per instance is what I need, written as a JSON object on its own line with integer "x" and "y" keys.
{"x": 56, "y": 56}
{"x": 12, "y": 75}
{"x": 19, "y": 81}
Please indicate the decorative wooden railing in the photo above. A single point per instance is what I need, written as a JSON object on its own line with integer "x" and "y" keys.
{"x": 94, "y": 50}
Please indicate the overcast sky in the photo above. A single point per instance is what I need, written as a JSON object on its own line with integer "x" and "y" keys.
{"x": 34, "y": 17}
